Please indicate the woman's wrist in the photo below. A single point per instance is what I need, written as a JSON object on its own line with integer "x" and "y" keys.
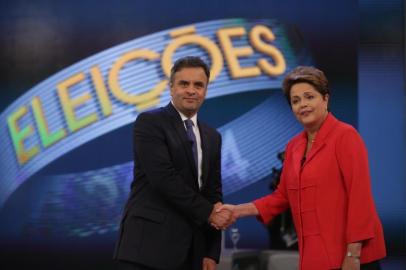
{"x": 245, "y": 209}
{"x": 354, "y": 250}
{"x": 351, "y": 256}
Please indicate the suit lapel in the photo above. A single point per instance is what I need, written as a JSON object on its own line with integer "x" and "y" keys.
{"x": 205, "y": 152}
{"x": 317, "y": 146}
{"x": 179, "y": 127}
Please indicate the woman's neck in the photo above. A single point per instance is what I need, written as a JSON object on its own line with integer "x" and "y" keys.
{"x": 311, "y": 131}
{"x": 311, "y": 135}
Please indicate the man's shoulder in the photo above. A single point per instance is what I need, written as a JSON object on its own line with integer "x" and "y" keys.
{"x": 152, "y": 114}
{"x": 208, "y": 129}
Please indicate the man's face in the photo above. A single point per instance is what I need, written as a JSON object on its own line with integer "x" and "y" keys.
{"x": 188, "y": 90}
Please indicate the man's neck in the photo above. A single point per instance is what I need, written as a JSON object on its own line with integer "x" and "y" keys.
{"x": 183, "y": 115}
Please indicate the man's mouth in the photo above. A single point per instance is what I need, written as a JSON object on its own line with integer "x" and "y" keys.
{"x": 190, "y": 99}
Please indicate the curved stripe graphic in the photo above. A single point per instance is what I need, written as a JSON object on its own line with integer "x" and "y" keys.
{"x": 92, "y": 201}
{"x": 84, "y": 96}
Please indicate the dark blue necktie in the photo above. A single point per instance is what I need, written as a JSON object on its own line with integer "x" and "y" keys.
{"x": 192, "y": 138}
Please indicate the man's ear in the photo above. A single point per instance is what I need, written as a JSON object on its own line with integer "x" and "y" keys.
{"x": 170, "y": 84}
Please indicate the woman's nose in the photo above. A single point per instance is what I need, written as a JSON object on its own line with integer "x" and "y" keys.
{"x": 303, "y": 104}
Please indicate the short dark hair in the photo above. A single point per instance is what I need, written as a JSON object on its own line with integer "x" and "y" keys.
{"x": 189, "y": 62}
{"x": 306, "y": 74}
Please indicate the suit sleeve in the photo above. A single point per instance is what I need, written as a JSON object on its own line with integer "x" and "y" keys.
{"x": 275, "y": 203}
{"x": 353, "y": 161}
{"x": 214, "y": 195}
{"x": 152, "y": 154}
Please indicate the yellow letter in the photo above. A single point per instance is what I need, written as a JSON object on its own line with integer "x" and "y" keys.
{"x": 190, "y": 38}
{"x": 144, "y": 100}
{"x": 69, "y": 104}
{"x": 46, "y": 138}
{"x": 255, "y": 37}
{"x": 232, "y": 53}
{"x": 101, "y": 91}
{"x": 18, "y": 136}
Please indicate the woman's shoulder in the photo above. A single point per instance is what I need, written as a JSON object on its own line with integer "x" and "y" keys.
{"x": 347, "y": 135}
{"x": 296, "y": 140}
{"x": 343, "y": 129}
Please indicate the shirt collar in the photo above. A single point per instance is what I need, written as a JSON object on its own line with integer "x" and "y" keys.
{"x": 184, "y": 117}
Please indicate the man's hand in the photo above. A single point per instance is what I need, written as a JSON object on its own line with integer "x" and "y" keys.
{"x": 230, "y": 208}
{"x": 209, "y": 264}
{"x": 221, "y": 219}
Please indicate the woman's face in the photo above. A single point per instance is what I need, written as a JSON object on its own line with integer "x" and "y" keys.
{"x": 308, "y": 105}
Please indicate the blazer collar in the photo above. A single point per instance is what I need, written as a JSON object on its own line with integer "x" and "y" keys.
{"x": 326, "y": 128}
{"x": 319, "y": 142}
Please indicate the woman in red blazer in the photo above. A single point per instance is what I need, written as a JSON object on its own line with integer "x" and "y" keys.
{"x": 326, "y": 183}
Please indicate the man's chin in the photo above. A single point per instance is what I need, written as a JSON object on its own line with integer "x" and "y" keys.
{"x": 189, "y": 111}
{"x": 193, "y": 108}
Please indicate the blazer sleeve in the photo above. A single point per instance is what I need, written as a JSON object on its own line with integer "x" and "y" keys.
{"x": 275, "y": 203}
{"x": 152, "y": 154}
{"x": 353, "y": 161}
{"x": 214, "y": 195}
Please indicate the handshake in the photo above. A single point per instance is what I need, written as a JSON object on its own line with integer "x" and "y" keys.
{"x": 223, "y": 215}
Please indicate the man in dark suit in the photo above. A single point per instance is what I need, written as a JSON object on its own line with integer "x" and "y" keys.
{"x": 177, "y": 182}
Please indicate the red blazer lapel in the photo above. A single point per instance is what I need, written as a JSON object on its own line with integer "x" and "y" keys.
{"x": 298, "y": 152}
{"x": 320, "y": 140}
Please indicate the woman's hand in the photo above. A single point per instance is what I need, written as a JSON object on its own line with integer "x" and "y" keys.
{"x": 229, "y": 209}
{"x": 240, "y": 210}
{"x": 351, "y": 263}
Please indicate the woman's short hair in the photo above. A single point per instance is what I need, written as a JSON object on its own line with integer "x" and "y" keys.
{"x": 306, "y": 74}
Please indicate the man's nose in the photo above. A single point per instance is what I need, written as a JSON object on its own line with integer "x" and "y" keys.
{"x": 190, "y": 90}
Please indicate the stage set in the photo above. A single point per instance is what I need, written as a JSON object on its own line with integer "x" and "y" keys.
{"x": 76, "y": 74}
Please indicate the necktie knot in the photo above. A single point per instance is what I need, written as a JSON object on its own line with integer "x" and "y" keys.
{"x": 189, "y": 123}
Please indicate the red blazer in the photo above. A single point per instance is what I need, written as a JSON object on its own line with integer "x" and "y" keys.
{"x": 334, "y": 184}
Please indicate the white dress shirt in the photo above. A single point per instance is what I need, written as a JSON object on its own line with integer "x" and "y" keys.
{"x": 198, "y": 141}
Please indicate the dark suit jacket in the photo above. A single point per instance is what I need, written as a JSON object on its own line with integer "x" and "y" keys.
{"x": 166, "y": 216}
